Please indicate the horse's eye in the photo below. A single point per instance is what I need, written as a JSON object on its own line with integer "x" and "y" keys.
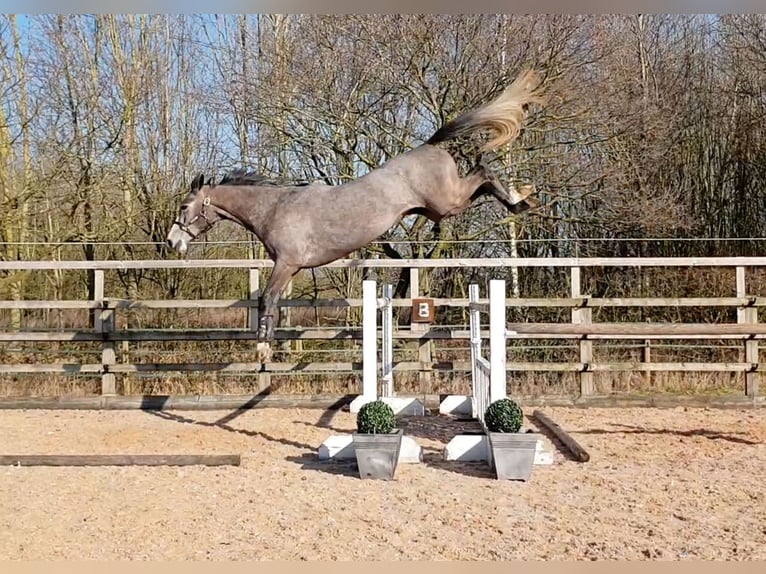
{"x": 184, "y": 207}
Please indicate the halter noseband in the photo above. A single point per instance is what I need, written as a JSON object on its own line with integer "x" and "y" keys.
{"x": 185, "y": 227}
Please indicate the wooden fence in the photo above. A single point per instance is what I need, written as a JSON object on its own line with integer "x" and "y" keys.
{"x": 581, "y": 328}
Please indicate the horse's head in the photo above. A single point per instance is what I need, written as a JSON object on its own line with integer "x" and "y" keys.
{"x": 195, "y": 217}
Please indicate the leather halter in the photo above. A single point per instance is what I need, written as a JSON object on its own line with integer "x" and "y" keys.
{"x": 185, "y": 227}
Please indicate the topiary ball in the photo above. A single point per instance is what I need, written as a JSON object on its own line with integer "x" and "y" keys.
{"x": 504, "y": 415}
{"x": 375, "y": 418}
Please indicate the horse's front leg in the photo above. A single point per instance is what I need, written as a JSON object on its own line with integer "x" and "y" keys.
{"x": 267, "y": 307}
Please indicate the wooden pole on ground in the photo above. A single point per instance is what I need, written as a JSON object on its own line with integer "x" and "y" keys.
{"x": 120, "y": 460}
{"x": 574, "y": 447}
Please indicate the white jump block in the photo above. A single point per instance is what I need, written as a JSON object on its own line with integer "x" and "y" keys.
{"x": 358, "y": 403}
{"x": 475, "y": 448}
{"x": 456, "y": 405}
{"x": 341, "y": 447}
{"x": 400, "y": 405}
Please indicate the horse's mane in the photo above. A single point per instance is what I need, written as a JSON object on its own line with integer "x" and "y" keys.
{"x": 244, "y": 177}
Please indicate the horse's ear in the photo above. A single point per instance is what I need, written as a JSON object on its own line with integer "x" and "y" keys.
{"x": 198, "y": 182}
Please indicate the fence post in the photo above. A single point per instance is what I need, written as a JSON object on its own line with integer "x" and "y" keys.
{"x": 104, "y": 324}
{"x": 424, "y": 346}
{"x": 749, "y": 315}
{"x": 647, "y": 358}
{"x": 582, "y": 316}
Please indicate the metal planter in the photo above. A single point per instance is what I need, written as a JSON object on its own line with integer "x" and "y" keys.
{"x": 377, "y": 455}
{"x": 512, "y": 455}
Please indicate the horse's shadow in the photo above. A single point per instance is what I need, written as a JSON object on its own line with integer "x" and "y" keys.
{"x": 308, "y": 460}
{"x": 227, "y": 427}
{"x": 224, "y": 423}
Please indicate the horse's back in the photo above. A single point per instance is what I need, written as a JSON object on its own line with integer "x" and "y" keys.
{"x": 404, "y": 180}
{"x": 418, "y": 169}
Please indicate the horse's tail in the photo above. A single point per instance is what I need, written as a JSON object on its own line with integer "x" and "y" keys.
{"x": 503, "y": 115}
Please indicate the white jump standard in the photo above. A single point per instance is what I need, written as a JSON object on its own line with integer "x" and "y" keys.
{"x": 341, "y": 446}
{"x": 488, "y": 378}
{"x": 371, "y": 389}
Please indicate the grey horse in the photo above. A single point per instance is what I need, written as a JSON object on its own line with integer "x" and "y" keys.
{"x": 310, "y": 225}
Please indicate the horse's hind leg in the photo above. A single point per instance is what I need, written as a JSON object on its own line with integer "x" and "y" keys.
{"x": 515, "y": 206}
{"x": 515, "y": 200}
{"x": 267, "y": 306}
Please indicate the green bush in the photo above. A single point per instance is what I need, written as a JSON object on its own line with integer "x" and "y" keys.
{"x": 504, "y": 415}
{"x": 375, "y": 418}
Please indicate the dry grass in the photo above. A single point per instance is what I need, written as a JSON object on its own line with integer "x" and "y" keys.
{"x": 521, "y": 383}
{"x": 628, "y": 282}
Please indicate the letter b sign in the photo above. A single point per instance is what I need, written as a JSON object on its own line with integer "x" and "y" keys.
{"x": 422, "y": 310}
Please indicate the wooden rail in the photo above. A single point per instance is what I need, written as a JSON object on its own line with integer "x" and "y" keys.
{"x": 174, "y": 335}
{"x": 581, "y": 329}
{"x": 639, "y": 330}
{"x": 522, "y": 302}
{"x": 338, "y": 402}
{"x": 313, "y": 367}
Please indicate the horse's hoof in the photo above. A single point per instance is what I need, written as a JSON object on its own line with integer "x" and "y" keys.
{"x": 526, "y": 190}
{"x": 525, "y": 205}
{"x": 263, "y": 351}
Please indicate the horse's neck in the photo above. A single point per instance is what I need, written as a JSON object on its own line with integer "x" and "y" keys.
{"x": 247, "y": 205}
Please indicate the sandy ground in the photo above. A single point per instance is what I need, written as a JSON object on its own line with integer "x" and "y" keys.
{"x": 661, "y": 484}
